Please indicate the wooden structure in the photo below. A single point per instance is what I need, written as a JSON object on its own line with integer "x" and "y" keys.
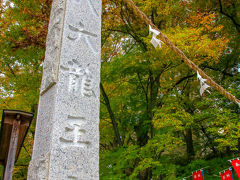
{"x": 14, "y": 129}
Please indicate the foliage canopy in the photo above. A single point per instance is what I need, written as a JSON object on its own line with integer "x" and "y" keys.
{"x": 154, "y": 124}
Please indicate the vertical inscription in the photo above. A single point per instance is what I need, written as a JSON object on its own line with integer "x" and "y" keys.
{"x": 75, "y": 132}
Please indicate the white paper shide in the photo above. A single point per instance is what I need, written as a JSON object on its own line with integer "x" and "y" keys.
{"x": 155, "y": 41}
{"x": 203, "y": 84}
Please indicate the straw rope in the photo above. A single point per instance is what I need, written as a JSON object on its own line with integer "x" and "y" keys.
{"x": 191, "y": 64}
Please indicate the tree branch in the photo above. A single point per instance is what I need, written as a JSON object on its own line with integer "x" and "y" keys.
{"x": 145, "y": 92}
{"x": 230, "y": 17}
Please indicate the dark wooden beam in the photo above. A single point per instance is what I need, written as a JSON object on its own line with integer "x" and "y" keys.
{"x": 14, "y": 127}
{"x": 8, "y": 170}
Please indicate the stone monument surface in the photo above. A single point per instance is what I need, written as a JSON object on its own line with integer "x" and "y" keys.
{"x": 66, "y": 144}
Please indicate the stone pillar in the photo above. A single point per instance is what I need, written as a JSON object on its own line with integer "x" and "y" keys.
{"x": 66, "y": 144}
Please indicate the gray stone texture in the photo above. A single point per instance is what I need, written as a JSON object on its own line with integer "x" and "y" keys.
{"x": 66, "y": 144}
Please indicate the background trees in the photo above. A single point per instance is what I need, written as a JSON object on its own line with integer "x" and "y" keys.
{"x": 154, "y": 124}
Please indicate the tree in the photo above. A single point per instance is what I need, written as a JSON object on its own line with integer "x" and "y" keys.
{"x": 22, "y": 42}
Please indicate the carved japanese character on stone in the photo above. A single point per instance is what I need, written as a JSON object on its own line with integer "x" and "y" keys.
{"x": 75, "y": 133}
{"x": 77, "y": 32}
{"x": 80, "y": 79}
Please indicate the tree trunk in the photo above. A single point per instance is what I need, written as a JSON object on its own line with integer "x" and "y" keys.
{"x": 189, "y": 143}
{"x": 111, "y": 114}
{"x": 210, "y": 141}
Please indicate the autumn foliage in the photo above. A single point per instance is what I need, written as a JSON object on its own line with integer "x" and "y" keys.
{"x": 154, "y": 123}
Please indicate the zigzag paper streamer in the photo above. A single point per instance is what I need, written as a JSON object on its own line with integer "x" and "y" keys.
{"x": 156, "y": 32}
{"x": 203, "y": 84}
{"x": 155, "y": 41}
